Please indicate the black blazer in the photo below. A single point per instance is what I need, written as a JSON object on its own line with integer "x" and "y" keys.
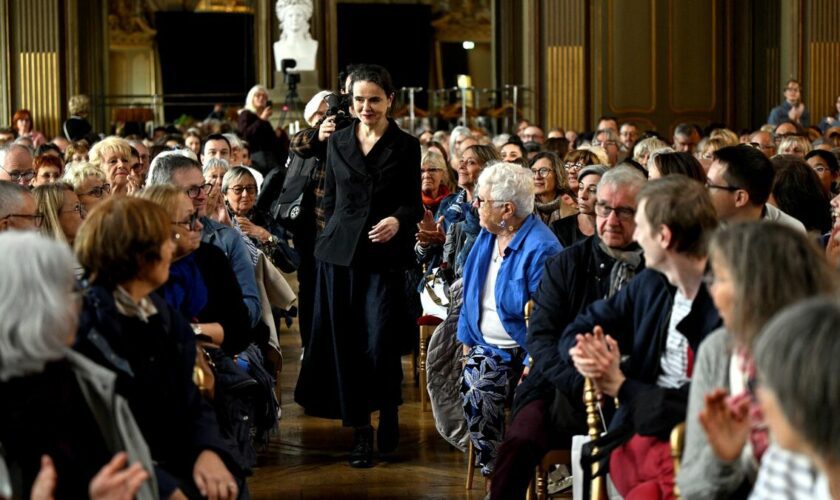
{"x": 360, "y": 191}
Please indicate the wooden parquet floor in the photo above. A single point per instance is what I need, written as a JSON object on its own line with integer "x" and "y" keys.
{"x": 309, "y": 457}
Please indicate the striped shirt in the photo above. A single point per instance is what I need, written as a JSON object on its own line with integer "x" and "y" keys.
{"x": 674, "y": 360}
{"x": 785, "y": 475}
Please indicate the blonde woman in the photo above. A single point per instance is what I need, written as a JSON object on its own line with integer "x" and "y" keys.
{"x": 63, "y": 213}
{"x": 795, "y": 145}
{"x": 254, "y": 127}
{"x": 89, "y": 183}
{"x": 113, "y": 156}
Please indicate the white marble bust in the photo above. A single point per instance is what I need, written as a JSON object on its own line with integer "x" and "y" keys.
{"x": 295, "y": 41}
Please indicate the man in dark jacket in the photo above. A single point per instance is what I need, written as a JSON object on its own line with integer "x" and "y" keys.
{"x": 578, "y": 276}
{"x": 653, "y": 325}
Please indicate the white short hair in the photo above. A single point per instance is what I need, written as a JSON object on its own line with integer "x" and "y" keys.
{"x": 38, "y": 317}
{"x": 510, "y": 182}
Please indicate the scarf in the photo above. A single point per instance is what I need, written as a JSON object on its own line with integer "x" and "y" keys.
{"x": 185, "y": 290}
{"x": 431, "y": 202}
{"x": 127, "y": 307}
{"x": 253, "y": 251}
{"x": 627, "y": 262}
{"x": 544, "y": 210}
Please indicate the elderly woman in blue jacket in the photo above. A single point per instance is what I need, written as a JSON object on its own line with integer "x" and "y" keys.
{"x": 501, "y": 274}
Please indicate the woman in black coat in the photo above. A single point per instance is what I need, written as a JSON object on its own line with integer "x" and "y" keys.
{"x": 351, "y": 365}
{"x": 126, "y": 247}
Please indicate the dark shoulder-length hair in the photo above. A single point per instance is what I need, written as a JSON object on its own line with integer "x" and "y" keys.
{"x": 120, "y": 238}
{"x": 680, "y": 163}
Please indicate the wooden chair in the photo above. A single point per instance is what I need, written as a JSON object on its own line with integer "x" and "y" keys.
{"x": 677, "y": 447}
{"x": 427, "y": 325}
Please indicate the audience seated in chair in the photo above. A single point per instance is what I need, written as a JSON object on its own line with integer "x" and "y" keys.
{"x": 595, "y": 268}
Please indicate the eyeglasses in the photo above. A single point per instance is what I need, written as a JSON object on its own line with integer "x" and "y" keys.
{"x": 98, "y": 191}
{"x": 237, "y": 190}
{"x": 793, "y": 89}
{"x": 79, "y": 209}
{"x": 623, "y": 213}
{"x": 191, "y": 223}
{"x": 573, "y": 166}
{"x": 758, "y": 145}
{"x": 731, "y": 189}
{"x": 37, "y": 218}
{"x": 541, "y": 172}
{"x": 194, "y": 191}
{"x": 17, "y": 176}
{"x": 479, "y": 201}
{"x": 604, "y": 144}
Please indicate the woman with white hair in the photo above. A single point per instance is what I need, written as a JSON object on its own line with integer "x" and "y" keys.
{"x": 501, "y": 274}
{"x": 40, "y": 376}
{"x": 113, "y": 156}
{"x": 253, "y": 126}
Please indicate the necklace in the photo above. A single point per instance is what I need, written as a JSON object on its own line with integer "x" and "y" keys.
{"x": 497, "y": 255}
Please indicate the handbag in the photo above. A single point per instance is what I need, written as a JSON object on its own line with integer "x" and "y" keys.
{"x": 288, "y": 206}
{"x": 204, "y": 376}
{"x": 435, "y": 294}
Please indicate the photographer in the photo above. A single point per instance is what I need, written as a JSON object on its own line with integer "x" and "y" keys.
{"x": 253, "y": 126}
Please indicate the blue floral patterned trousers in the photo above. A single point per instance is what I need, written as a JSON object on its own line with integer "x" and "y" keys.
{"x": 487, "y": 383}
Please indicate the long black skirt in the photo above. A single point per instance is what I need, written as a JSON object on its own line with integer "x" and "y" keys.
{"x": 351, "y": 365}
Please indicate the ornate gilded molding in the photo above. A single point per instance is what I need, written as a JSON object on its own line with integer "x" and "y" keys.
{"x": 463, "y": 20}
{"x": 128, "y": 25}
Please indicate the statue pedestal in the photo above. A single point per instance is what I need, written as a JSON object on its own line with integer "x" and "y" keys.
{"x": 307, "y": 88}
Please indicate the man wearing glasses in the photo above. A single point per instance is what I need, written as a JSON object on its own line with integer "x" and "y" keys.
{"x": 608, "y": 140}
{"x": 739, "y": 182}
{"x": 16, "y": 164}
{"x": 764, "y": 142}
{"x": 185, "y": 173}
{"x": 595, "y": 268}
{"x": 18, "y": 210}
{"x": 792, "y": 108}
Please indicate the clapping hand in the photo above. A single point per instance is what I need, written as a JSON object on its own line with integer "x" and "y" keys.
{"x": 796, "y": 111}
{"x": 598, "y": 357}
{"x": 252, "y": 229}
{"x": 727, "y": 425}
{"x": 430, "y": 232}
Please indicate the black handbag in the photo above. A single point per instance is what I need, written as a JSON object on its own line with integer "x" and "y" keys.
{"x": 289, "y": 204}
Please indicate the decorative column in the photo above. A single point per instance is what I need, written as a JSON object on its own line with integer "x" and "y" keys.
{"x": 35, "y": 67}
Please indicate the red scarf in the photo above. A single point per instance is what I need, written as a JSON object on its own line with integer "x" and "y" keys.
{"x": 432, "y": 202}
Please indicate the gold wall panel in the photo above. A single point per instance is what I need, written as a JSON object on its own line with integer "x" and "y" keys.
{"x": 565, "y": 90}
{"x": 823, "y": 84}
{"x": 564, "y": 64}
{"x": 692, "y": 56}
{"x": 631, "y": 56}
{"x": 38, "y": 78}
{"x": 823, "y": 79}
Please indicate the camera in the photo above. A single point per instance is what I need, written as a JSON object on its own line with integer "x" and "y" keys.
{"x": 338, "y": 105}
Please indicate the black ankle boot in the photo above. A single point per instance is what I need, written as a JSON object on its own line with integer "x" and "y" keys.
{"x": 388, "y": 433}
{"x": 361, "y": 456}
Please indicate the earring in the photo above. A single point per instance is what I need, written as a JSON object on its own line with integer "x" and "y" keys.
{"x": 502, "y": 224}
